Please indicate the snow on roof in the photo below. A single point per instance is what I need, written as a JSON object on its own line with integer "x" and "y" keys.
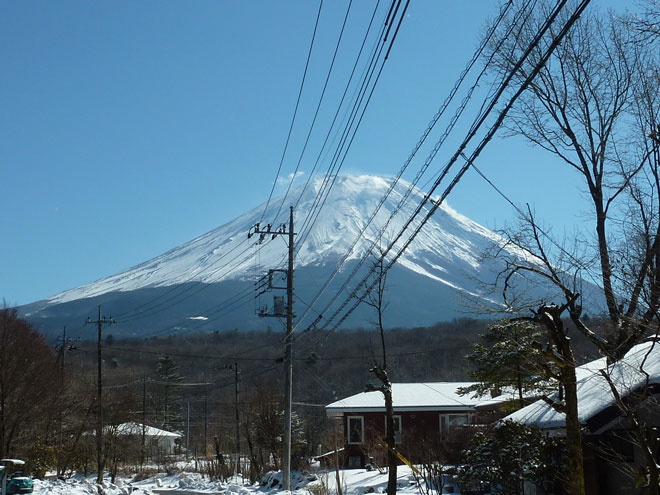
{"x": 429, "y": 396}
{"x": 594, "y": 393}
{"x": 150, "y": 431}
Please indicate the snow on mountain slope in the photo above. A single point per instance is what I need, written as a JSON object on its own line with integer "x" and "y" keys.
{"x": 447, "y": 250}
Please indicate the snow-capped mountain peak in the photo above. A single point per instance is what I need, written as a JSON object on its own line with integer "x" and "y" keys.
{"x": 450, "y": 242}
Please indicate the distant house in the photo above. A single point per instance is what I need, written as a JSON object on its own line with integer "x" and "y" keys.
{"x": 609, "y": 454}
{"x": 425, "y": 413}
{"x": 157, "y": 442}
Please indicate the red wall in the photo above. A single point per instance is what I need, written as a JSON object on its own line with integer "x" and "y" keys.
{"x": 416, "y": 425}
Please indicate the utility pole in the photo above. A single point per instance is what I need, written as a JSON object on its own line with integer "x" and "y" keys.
{"x": 99, "y": 394}
{"x": 62, "y": 385}
{"x": 288, "y": 351}
{"x": 144, "y": 420}
{"x": 206, "y": 421}
{"x": 67, "y": 345}
{"x": 63, "y": 346}
{"x": 288, "y": 361}
{"x": 238, "y": 423}
{"x": 188, "y": 432}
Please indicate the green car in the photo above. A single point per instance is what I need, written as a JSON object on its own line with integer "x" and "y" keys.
{"x": 12, "y": 481}
{"x": 19, "y": 484}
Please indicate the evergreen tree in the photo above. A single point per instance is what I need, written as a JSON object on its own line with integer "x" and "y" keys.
{"x": 508, "y": 356}
{"x": 509, "y": 455}
{"x": 170, "y": 378}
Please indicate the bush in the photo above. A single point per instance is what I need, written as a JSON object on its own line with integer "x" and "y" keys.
{"x": 39, "y": 459}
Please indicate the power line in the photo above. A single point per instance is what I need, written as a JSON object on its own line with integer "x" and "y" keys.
{"x": 193, "y": 356}
{"x": 471, "y": 134}
{"x": 339, "y": 162}
{"x": 176, "y": 287}
{"x": 341, "y": 102}
{"x": 480, "y": 118}
{"x": 333, "y": 168}
{"x": 522, "y": 214}
{"x": 366, "y": 83}
{"x": 295, "y": 111}
{"x": 190, "y": 290}
{"x": 318, "y": 106}
{"x": 413, "y": 153}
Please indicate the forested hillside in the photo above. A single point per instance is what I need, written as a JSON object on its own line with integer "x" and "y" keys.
{"x": 193, "y": 376}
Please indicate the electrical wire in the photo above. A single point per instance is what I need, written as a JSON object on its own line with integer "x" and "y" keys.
{"x": 327, "y": 184}
{"x": 358, "y": 98}
{"x": 475, "y": 154}
{"x": 176, "y": 287}
{"x": 366, "y": 78}
{"x": 339, "y": 107}
{"x": 339, "y": 163}
{"x": 316, "y": 113}
{"x": 423, "y": 203}
{"x": 192, "y": 356}
{"x": 190, "y": 290}
{"x": 425, "y": 134}
{"x": 295, "y": 111}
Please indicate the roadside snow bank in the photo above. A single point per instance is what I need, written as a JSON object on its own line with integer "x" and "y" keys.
{"x": 353, "y": 482}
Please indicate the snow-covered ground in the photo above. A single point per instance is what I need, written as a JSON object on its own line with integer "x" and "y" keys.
{"x": 354, "y": 482}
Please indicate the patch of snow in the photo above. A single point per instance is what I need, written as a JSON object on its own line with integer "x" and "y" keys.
{"x": 353, "y": 481}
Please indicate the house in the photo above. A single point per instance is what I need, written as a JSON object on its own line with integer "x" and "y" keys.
{"x": 426, "y": 414}
{"x": 157, "y": 442}
{"x": 610, "y": 454}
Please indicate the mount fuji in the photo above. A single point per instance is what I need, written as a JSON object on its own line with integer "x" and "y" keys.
{"x": 210, "y": 283}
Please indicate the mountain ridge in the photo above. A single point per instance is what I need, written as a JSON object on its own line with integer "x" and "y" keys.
{"x": 201, "y": 253}
{"x": 444, "y": 260}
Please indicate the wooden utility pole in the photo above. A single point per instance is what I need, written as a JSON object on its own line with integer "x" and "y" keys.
{"x": 144, "y": 420}
{"x": 206, "y": 421}
{"x": 188, "y": 431}
{"x": 288, "y": 351}
{"x": 238, "y": 422}
{"x": 99, "y": 394}
{"x": 63, "y": 346}
{"x": 288, "y": 361}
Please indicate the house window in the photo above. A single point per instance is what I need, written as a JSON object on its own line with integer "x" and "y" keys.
{"x": 355, "y": 429}
{"x": 398, "y": 428}
{"x": 449, "y": 421}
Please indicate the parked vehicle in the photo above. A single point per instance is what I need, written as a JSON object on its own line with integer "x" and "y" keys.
{"x": 12, "y": 481}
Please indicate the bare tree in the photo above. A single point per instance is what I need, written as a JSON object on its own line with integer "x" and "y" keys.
{"x": 376, "y": 299}
{"x": 29, "y": 381}
{"x": 580, "y": 108}
{"x": 646, "y": 24}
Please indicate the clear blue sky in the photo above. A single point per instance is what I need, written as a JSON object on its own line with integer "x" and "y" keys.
{"x": 128, "y": 128}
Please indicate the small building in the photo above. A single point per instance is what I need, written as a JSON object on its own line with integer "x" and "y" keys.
{"x": 427, "y": 416}
{"x": 157, "y": 442}
{"x": 611, "y": 457}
